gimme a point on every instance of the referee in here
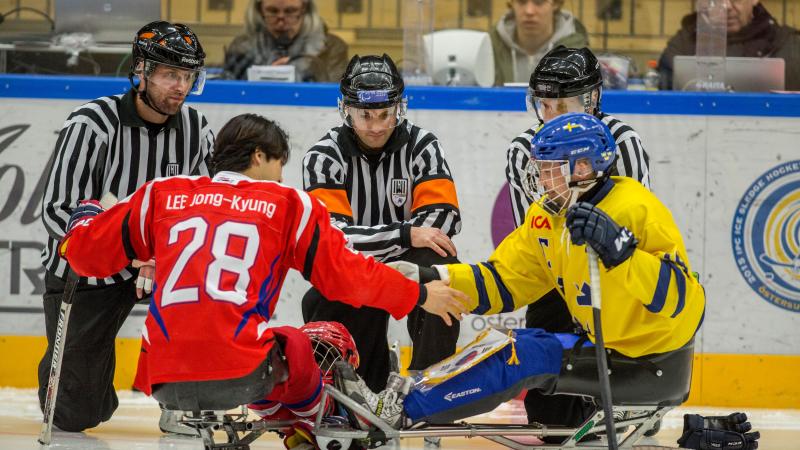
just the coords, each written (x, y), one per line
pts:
(115, 144)
(565, 80)
(388, 187)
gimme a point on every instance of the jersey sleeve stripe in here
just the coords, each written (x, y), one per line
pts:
(143, 211)
(311, 254)
(434, 191)
(334, 199)
(680, 280)
(662, 287)
(126, 238)
(301, 228)
(505, 294)
(484, 304)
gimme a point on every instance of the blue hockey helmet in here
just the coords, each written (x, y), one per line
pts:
(568, 156)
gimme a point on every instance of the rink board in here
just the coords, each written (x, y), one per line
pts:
(709, 164)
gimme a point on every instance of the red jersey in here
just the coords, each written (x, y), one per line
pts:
(223, 248)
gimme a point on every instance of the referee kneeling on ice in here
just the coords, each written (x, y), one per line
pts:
(114, 145)
(389, 188)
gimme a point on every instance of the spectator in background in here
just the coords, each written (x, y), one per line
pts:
(526, 32)
(752, 32)
(280, 32)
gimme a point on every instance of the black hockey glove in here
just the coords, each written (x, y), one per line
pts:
(84, 210)
(590, 225)
(730, 432)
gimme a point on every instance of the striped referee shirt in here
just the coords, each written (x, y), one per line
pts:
(632, 161)
(104, 147)
(376, 199)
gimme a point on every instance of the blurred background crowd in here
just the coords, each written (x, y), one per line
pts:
(637, 40)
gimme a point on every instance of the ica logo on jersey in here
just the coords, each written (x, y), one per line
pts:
(540, 222)
(765, 236)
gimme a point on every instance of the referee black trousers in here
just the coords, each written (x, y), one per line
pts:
(431, 338)
(86, 394)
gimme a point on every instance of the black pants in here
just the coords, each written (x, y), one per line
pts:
(551, 314)
(432, 340)
(86, 394)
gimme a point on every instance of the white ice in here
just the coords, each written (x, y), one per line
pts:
(134, 426)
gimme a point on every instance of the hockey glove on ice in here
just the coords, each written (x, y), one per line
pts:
(85, 210)
(590, 225)
(730, 432)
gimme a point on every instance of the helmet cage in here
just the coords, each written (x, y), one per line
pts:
(330, 342)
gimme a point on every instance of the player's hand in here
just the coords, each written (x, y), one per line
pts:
(282, 61)
(433, 238)
(144, 282)
(85, 210)
(589, 225)
(445, 301)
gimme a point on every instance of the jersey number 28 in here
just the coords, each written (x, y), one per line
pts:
(238, 265)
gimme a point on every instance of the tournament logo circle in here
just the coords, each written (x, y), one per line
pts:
(766, 236)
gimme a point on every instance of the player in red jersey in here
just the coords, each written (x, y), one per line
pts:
(223, 247)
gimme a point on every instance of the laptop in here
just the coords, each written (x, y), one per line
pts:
(109, 21)
(741, 74)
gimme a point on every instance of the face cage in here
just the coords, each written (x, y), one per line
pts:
(532, 182)
(199, 75)
(534, 104)
(326, 355)
(401, 109)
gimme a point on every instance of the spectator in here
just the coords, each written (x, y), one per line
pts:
(526, 32)
(752, 32)
(281, 32)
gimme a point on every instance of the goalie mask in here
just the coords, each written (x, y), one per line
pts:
(569, 155)
(372, 94)
(565, 80)
(331, 342)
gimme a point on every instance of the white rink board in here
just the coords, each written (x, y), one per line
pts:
(701, 167)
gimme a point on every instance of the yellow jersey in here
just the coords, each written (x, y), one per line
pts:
(651, 302)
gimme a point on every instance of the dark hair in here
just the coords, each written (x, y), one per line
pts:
(244, 134)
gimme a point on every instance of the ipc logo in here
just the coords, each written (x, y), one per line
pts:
(766, 236)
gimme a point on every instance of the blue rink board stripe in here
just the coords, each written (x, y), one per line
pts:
(420, 97)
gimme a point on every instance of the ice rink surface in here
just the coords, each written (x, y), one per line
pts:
(135, 427)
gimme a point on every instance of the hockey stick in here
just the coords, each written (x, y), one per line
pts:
(46, 435)
(600, 348)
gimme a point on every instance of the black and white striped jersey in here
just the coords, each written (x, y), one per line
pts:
(104, 146)
(376, 199)
(632, 161)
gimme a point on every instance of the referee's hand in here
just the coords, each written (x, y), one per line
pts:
(433, 238)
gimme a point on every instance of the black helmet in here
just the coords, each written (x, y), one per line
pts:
(566, 72)
(166, 43)
(371, 82)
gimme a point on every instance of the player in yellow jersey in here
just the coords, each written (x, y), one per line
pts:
(652, 303)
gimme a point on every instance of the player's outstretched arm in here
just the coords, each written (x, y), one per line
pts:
(344, 275)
